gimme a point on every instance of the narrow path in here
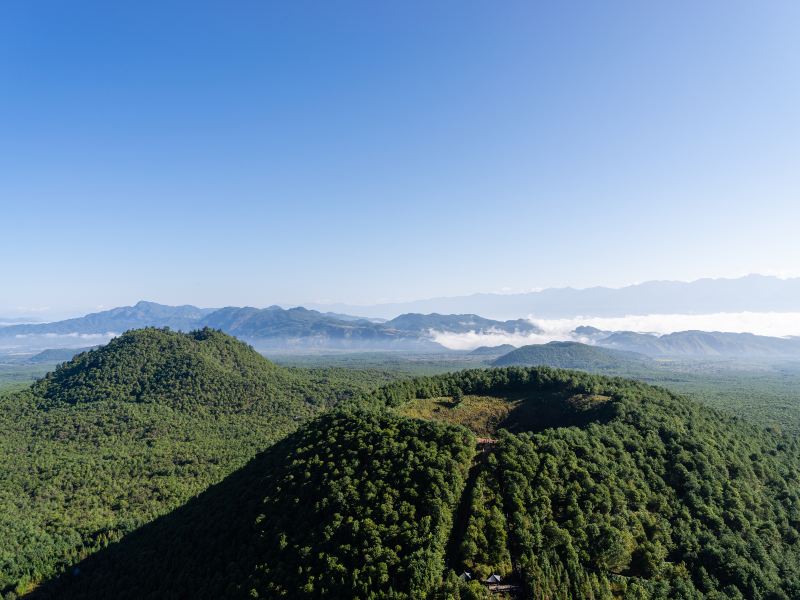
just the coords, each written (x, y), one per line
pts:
(461, 517)
(509, 587)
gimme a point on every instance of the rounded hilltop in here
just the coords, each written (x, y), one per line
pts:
(584, 486)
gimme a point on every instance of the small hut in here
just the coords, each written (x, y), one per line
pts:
(493, 579)
(465, 576)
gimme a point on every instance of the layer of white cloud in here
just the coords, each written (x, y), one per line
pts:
(67, 336)
(474, 339)
(770, 323)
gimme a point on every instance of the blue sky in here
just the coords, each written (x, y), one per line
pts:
(290, 152)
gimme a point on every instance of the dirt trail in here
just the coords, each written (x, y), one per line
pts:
(461, 517)
(484, 447)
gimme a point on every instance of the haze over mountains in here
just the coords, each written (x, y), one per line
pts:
(265, 327)
(302, 329)
(697, 343)
(758, 293)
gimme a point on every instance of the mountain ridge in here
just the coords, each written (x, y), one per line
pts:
(696, 343)
(758, 293)
(274, 325)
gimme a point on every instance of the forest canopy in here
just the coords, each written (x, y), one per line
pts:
(320, 485)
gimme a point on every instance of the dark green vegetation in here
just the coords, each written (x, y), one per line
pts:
(647, 495)
(130, 431)
(572, 355)
(355, 505)
(483, 548)
(764, 392)
(17, 376)
(398, 365)
(767, 394)
(589, 486)
(493, 350)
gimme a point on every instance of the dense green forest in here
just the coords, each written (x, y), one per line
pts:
(765, 392)
(127, 432)
(357, 504)
(645, 495)
(318, 483)
(573, 355)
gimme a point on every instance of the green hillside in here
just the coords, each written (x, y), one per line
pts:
(573, 355)
(644, 495)
(492, 350)
(354, 505)
(130, 431)
(580, 486)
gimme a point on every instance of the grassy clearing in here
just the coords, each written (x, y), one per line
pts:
(486, 415)
(482, 414)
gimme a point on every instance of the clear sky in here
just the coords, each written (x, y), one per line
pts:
(258, 152)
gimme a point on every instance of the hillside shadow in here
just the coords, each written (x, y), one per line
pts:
(461, 514)
(200, 550)
(546, 410)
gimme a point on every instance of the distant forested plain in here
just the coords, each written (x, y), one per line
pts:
(762, 391)
(171, 465)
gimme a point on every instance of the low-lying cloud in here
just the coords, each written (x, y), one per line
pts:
(67, 336)
(760, 323)
(473, 339)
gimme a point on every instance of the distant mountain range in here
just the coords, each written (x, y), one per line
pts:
(143, 314)
(16, 320)
(298, 329)
(695, 343)
(758, 293)
(272, 326)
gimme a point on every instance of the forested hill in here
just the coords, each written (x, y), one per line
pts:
(132, 430)
(354, 505)
(493, 350)
(591, 487)
(573, 355)
(203, 367)
(644, 495)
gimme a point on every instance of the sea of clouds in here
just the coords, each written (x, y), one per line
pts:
(31, 342)
(67, 336)
(777, 324)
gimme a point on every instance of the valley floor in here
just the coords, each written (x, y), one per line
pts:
(764, 392)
